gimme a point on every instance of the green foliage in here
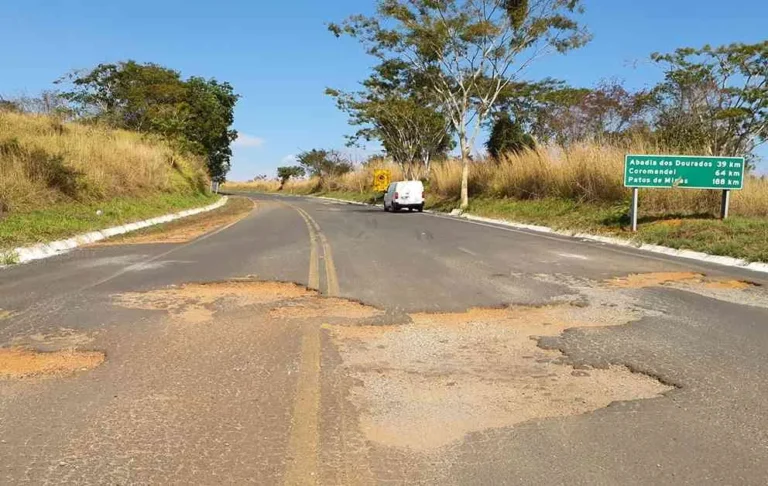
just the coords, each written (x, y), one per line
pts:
(714, 99)
(508, 136)
(285, 173)
(65, 220)
(9, 257)
(399, 111)
(466, 52)
(197, 114)
(324, 163)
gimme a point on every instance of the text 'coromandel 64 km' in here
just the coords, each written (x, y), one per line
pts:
(693, 172)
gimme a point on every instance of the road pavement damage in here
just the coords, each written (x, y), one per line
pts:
(427, 383)
(644, 280)
(196, 303)
(20, 363)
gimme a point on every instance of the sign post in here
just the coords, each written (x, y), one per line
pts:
(633, 214)
(724, 205)
(683, 171)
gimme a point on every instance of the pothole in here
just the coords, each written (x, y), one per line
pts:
(196, 303)
(328, 307)
(742, 292)
(20, 363)
(425, 385)
(643, 280)
(429, 382)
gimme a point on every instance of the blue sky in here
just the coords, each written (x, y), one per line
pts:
(280, 56)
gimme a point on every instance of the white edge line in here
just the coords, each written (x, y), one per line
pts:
(47, 250)
(664, 250)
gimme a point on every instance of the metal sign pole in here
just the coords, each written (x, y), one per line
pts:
(725, 203)
(633, 214)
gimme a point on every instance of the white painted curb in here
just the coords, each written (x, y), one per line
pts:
(46, 250)
(664, 250)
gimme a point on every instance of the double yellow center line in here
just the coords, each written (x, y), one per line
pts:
(304, 442)
(315, 236)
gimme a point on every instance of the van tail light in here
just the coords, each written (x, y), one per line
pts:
(397, 196)
(422, 195)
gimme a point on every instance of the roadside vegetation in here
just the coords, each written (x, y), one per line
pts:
(119, 143)
(446, 74)
(579, 188)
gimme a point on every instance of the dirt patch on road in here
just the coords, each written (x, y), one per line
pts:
(19, 363)
(54, 341)
(425, 385)
(4, 314)
(196, 303)
(325, 308)
(644, 280)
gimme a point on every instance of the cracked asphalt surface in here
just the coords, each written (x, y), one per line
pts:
(434, 351)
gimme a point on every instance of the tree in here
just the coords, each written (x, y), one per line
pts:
(130, 95)
(567, 115)
(210, 115)
(507, 136)
(394, 109)
(467, 51)
(285, 173)
(196, 114)
(324, 163)
(714, 99)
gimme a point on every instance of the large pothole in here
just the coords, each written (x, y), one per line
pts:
(433, 378)
(20, 362)
(425, 385)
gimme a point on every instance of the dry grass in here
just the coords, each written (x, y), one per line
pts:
(585, 173)
(44, 161)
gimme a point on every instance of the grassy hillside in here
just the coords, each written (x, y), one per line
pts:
(579, 188)
(54, 176)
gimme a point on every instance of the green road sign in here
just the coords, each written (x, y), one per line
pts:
(692, 172)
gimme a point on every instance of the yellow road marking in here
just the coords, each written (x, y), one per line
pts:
(314, 272)
(331, 278)
(305, 437)
(315, 234)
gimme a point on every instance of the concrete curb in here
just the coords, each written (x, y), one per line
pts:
(664, 250)
(47, 250)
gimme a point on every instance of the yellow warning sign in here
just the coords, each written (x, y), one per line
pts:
(381, 178)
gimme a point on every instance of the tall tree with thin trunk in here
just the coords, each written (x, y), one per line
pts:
(467, 51)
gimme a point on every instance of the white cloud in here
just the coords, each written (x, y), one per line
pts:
(289, 159)
(244, 140)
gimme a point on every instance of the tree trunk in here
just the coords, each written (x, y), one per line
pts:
(464, 175)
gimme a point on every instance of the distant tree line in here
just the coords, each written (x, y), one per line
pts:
(193, 114)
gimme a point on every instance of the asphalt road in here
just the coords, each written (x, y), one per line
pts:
(439, 351)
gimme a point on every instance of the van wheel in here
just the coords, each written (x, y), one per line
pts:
(421, 208)
(395, 207)
(386, 209)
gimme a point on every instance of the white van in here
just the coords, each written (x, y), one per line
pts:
(404, 194)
